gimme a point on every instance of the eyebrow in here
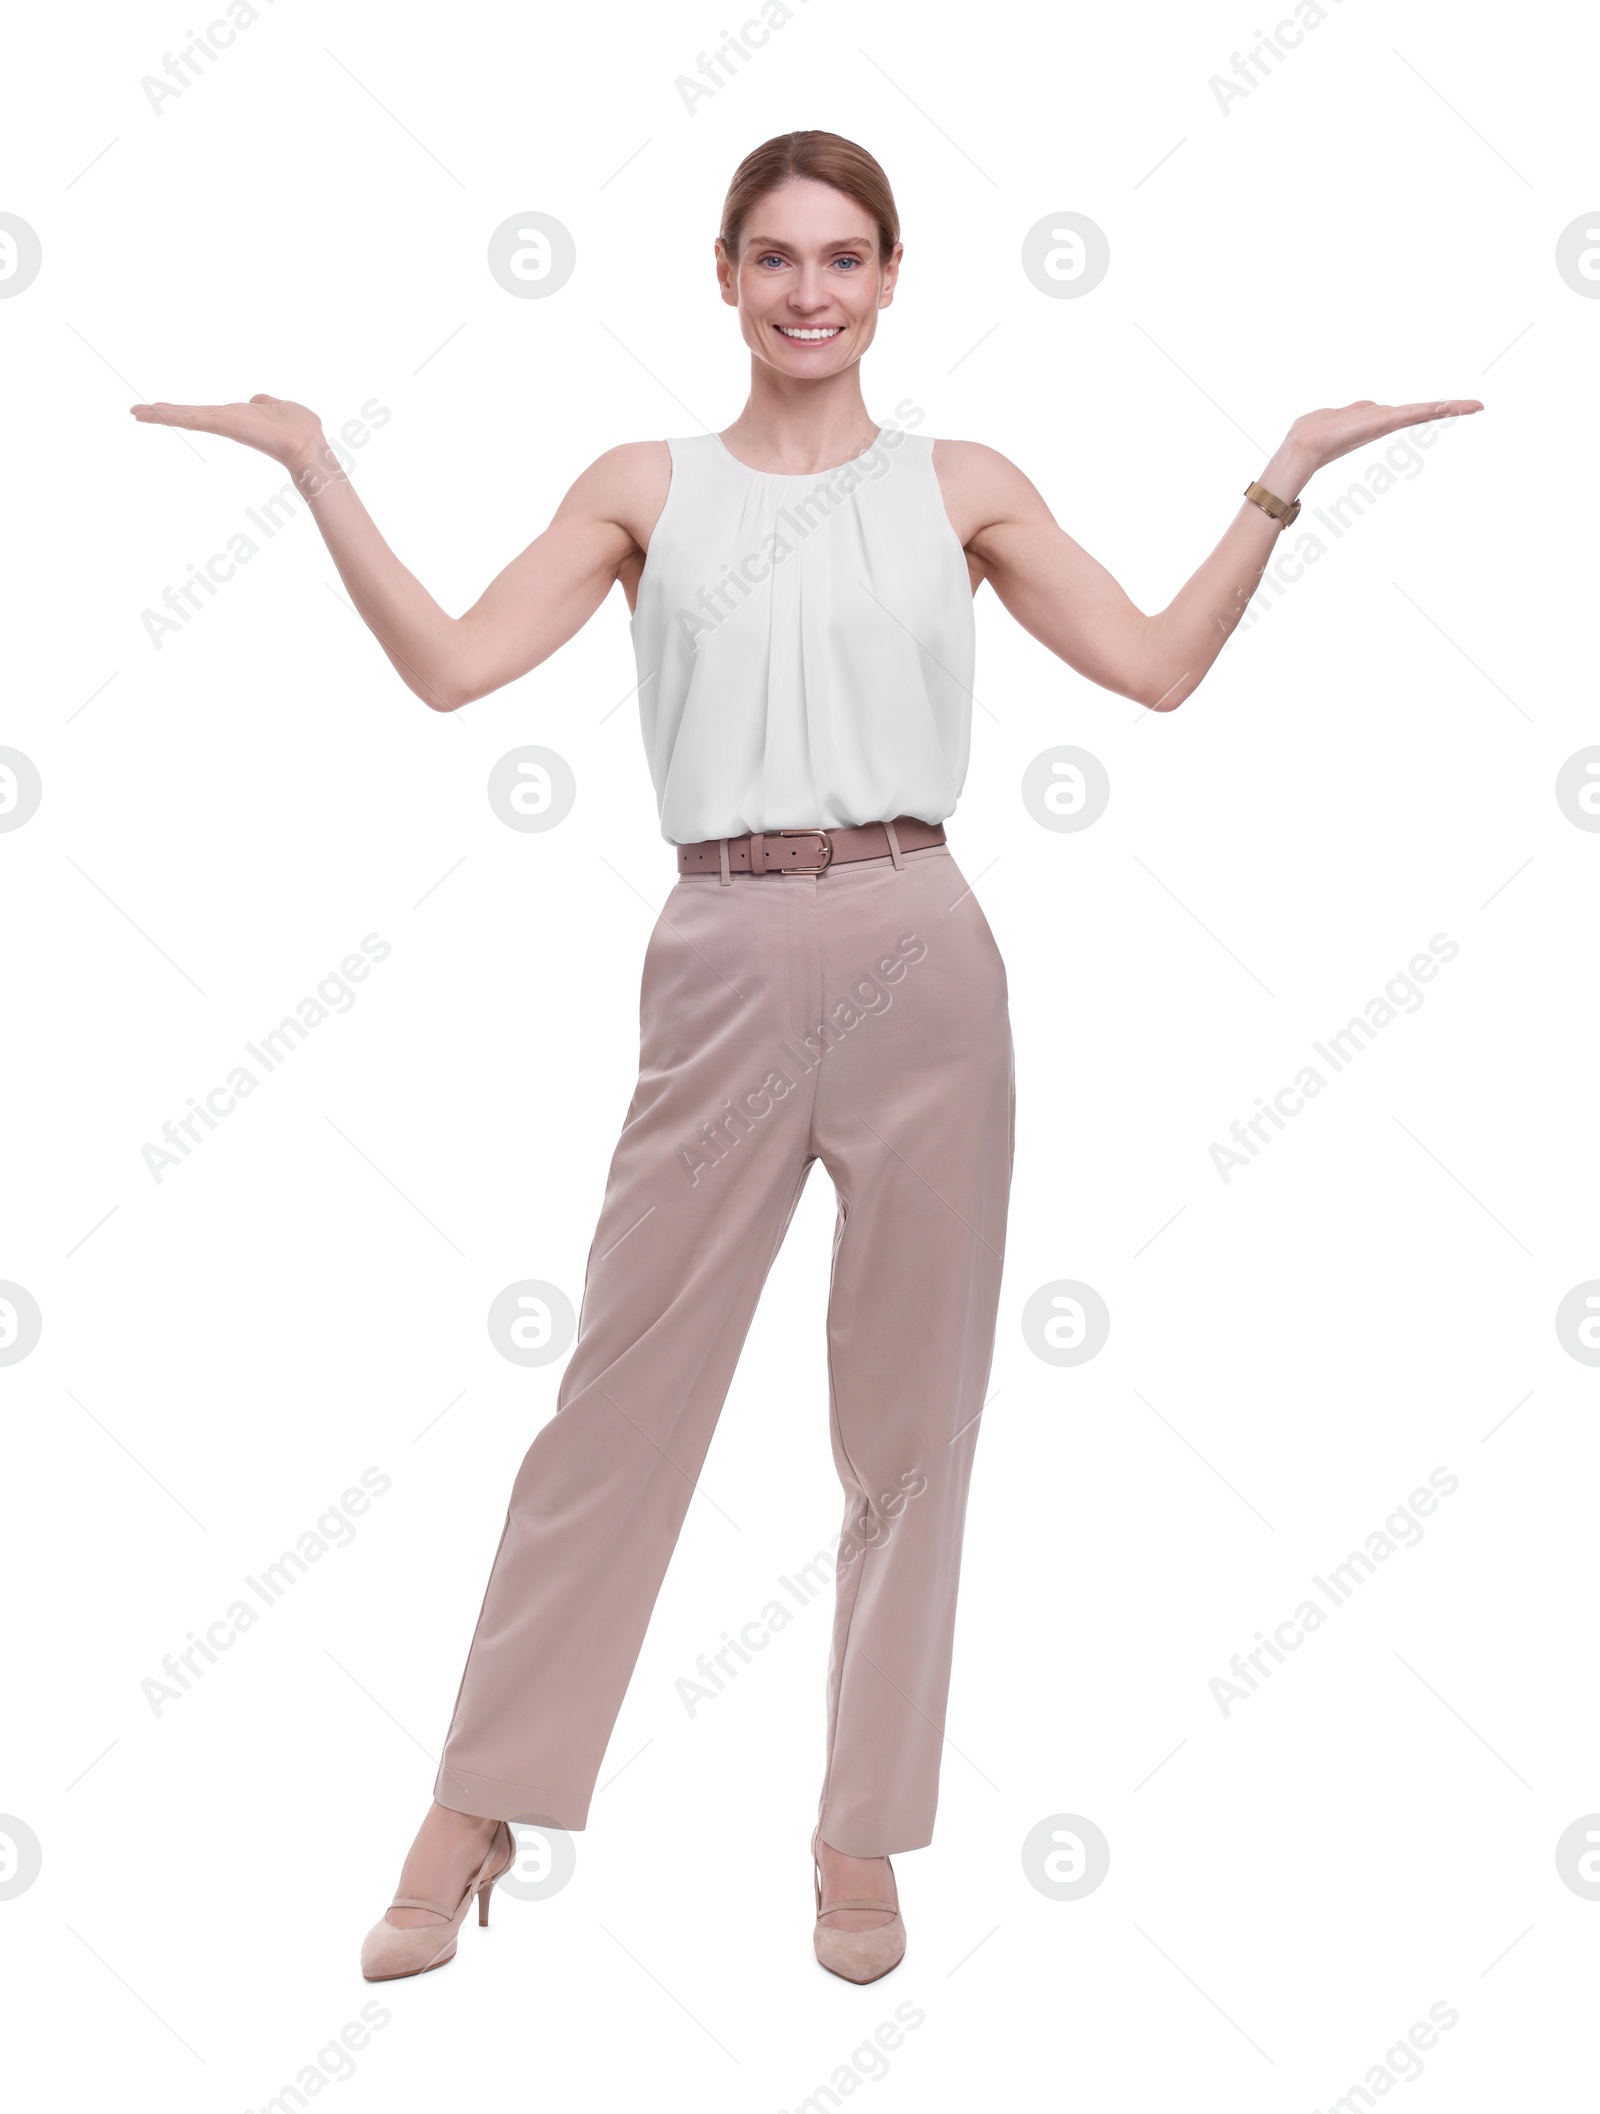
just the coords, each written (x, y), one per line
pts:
(844, 242)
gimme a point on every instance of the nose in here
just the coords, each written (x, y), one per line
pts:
(810, 291)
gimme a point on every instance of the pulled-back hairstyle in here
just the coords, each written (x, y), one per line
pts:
(820, 157)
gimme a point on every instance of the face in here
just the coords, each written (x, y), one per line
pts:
(808, 282)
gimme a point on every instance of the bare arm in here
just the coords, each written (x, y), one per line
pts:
(596, 536)
(1070, 603)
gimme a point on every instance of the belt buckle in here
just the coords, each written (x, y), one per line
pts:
(826, 845)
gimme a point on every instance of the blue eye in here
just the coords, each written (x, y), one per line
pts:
(777, 257)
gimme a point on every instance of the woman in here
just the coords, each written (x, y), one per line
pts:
(821, 984)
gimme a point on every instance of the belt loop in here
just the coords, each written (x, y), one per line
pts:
(722, 847)
(894, 846)
(758, 851)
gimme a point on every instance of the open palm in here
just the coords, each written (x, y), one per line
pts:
(1323, 436)
(284, 430)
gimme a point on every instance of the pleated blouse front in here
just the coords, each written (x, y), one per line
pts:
(804, 644)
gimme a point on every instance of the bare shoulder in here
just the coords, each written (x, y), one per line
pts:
(627, 485)
(981, 486)
(633, 465)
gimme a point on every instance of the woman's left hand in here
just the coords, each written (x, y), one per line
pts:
(1320, 437)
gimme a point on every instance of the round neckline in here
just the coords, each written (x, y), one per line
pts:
(794, 476)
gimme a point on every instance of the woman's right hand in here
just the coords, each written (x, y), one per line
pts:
(288, 432)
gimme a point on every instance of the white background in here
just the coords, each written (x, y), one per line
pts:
(1291, 1352)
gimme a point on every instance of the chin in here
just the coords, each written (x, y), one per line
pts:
(821, 359)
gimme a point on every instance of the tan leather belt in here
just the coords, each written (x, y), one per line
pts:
(807, 851)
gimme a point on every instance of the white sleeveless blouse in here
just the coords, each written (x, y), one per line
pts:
(804, 644)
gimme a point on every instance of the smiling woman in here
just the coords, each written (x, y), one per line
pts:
(790, 290)
(805, 758)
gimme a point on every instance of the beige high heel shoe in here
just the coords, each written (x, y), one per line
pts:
(387, 1952)
(857, 1955)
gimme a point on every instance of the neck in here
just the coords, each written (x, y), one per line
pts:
(791, 426)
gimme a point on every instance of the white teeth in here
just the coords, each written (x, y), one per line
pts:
(810, 337)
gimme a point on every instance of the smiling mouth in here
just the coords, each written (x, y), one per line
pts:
(809, 335)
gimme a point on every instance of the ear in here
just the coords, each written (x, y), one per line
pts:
(725, 273)
(891, 275)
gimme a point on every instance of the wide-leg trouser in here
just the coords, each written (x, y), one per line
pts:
(857, 1017)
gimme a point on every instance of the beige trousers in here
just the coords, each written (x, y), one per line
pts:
(859, 1018)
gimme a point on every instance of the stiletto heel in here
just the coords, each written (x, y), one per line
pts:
(389, 1953)
(856, 1955)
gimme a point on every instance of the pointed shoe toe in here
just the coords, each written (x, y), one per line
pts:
(862, 1955)
(387, 1953)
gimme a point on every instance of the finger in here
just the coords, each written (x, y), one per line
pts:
(1450, 407)
(1394, 418)
(198, 418)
